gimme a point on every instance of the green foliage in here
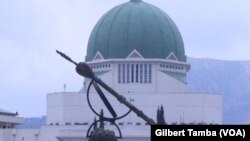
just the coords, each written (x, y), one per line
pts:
(100, 134)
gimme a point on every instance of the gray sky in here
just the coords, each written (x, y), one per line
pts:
(31, 31)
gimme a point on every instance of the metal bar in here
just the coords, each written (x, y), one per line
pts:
(104, 99)
(66, 57)
(123, 100)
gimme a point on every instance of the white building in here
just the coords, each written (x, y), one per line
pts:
(137, 50)
(8, 121)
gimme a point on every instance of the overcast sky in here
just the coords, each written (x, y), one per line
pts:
(31, 31)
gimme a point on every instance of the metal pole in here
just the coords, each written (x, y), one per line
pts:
(83, 69)
(123, 100)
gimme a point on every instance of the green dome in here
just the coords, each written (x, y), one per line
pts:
(135, 25)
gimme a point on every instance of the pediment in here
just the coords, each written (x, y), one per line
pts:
(172, 56)
(98, 56)
(135, 54)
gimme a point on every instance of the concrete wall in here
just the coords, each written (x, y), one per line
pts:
(65, 108)
(65, 133)
(19, 134)
(161, 82)
(166, 83)
(11, 119)
(179, 107)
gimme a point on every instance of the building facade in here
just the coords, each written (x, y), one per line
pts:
(136, 49)
(8, 121)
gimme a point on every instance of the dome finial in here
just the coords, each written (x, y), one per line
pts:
(135, 0)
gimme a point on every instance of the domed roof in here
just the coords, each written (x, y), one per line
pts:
(139, 26)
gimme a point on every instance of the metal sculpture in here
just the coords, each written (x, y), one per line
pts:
(84, 70)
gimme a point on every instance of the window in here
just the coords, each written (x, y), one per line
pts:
(123, 73)
(141, 73)
(132, 73)
(128, 72)
(136, 73)
(145, 73)
(149, 73)
(119, 73)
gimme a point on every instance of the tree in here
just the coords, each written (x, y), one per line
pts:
(160, 116)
